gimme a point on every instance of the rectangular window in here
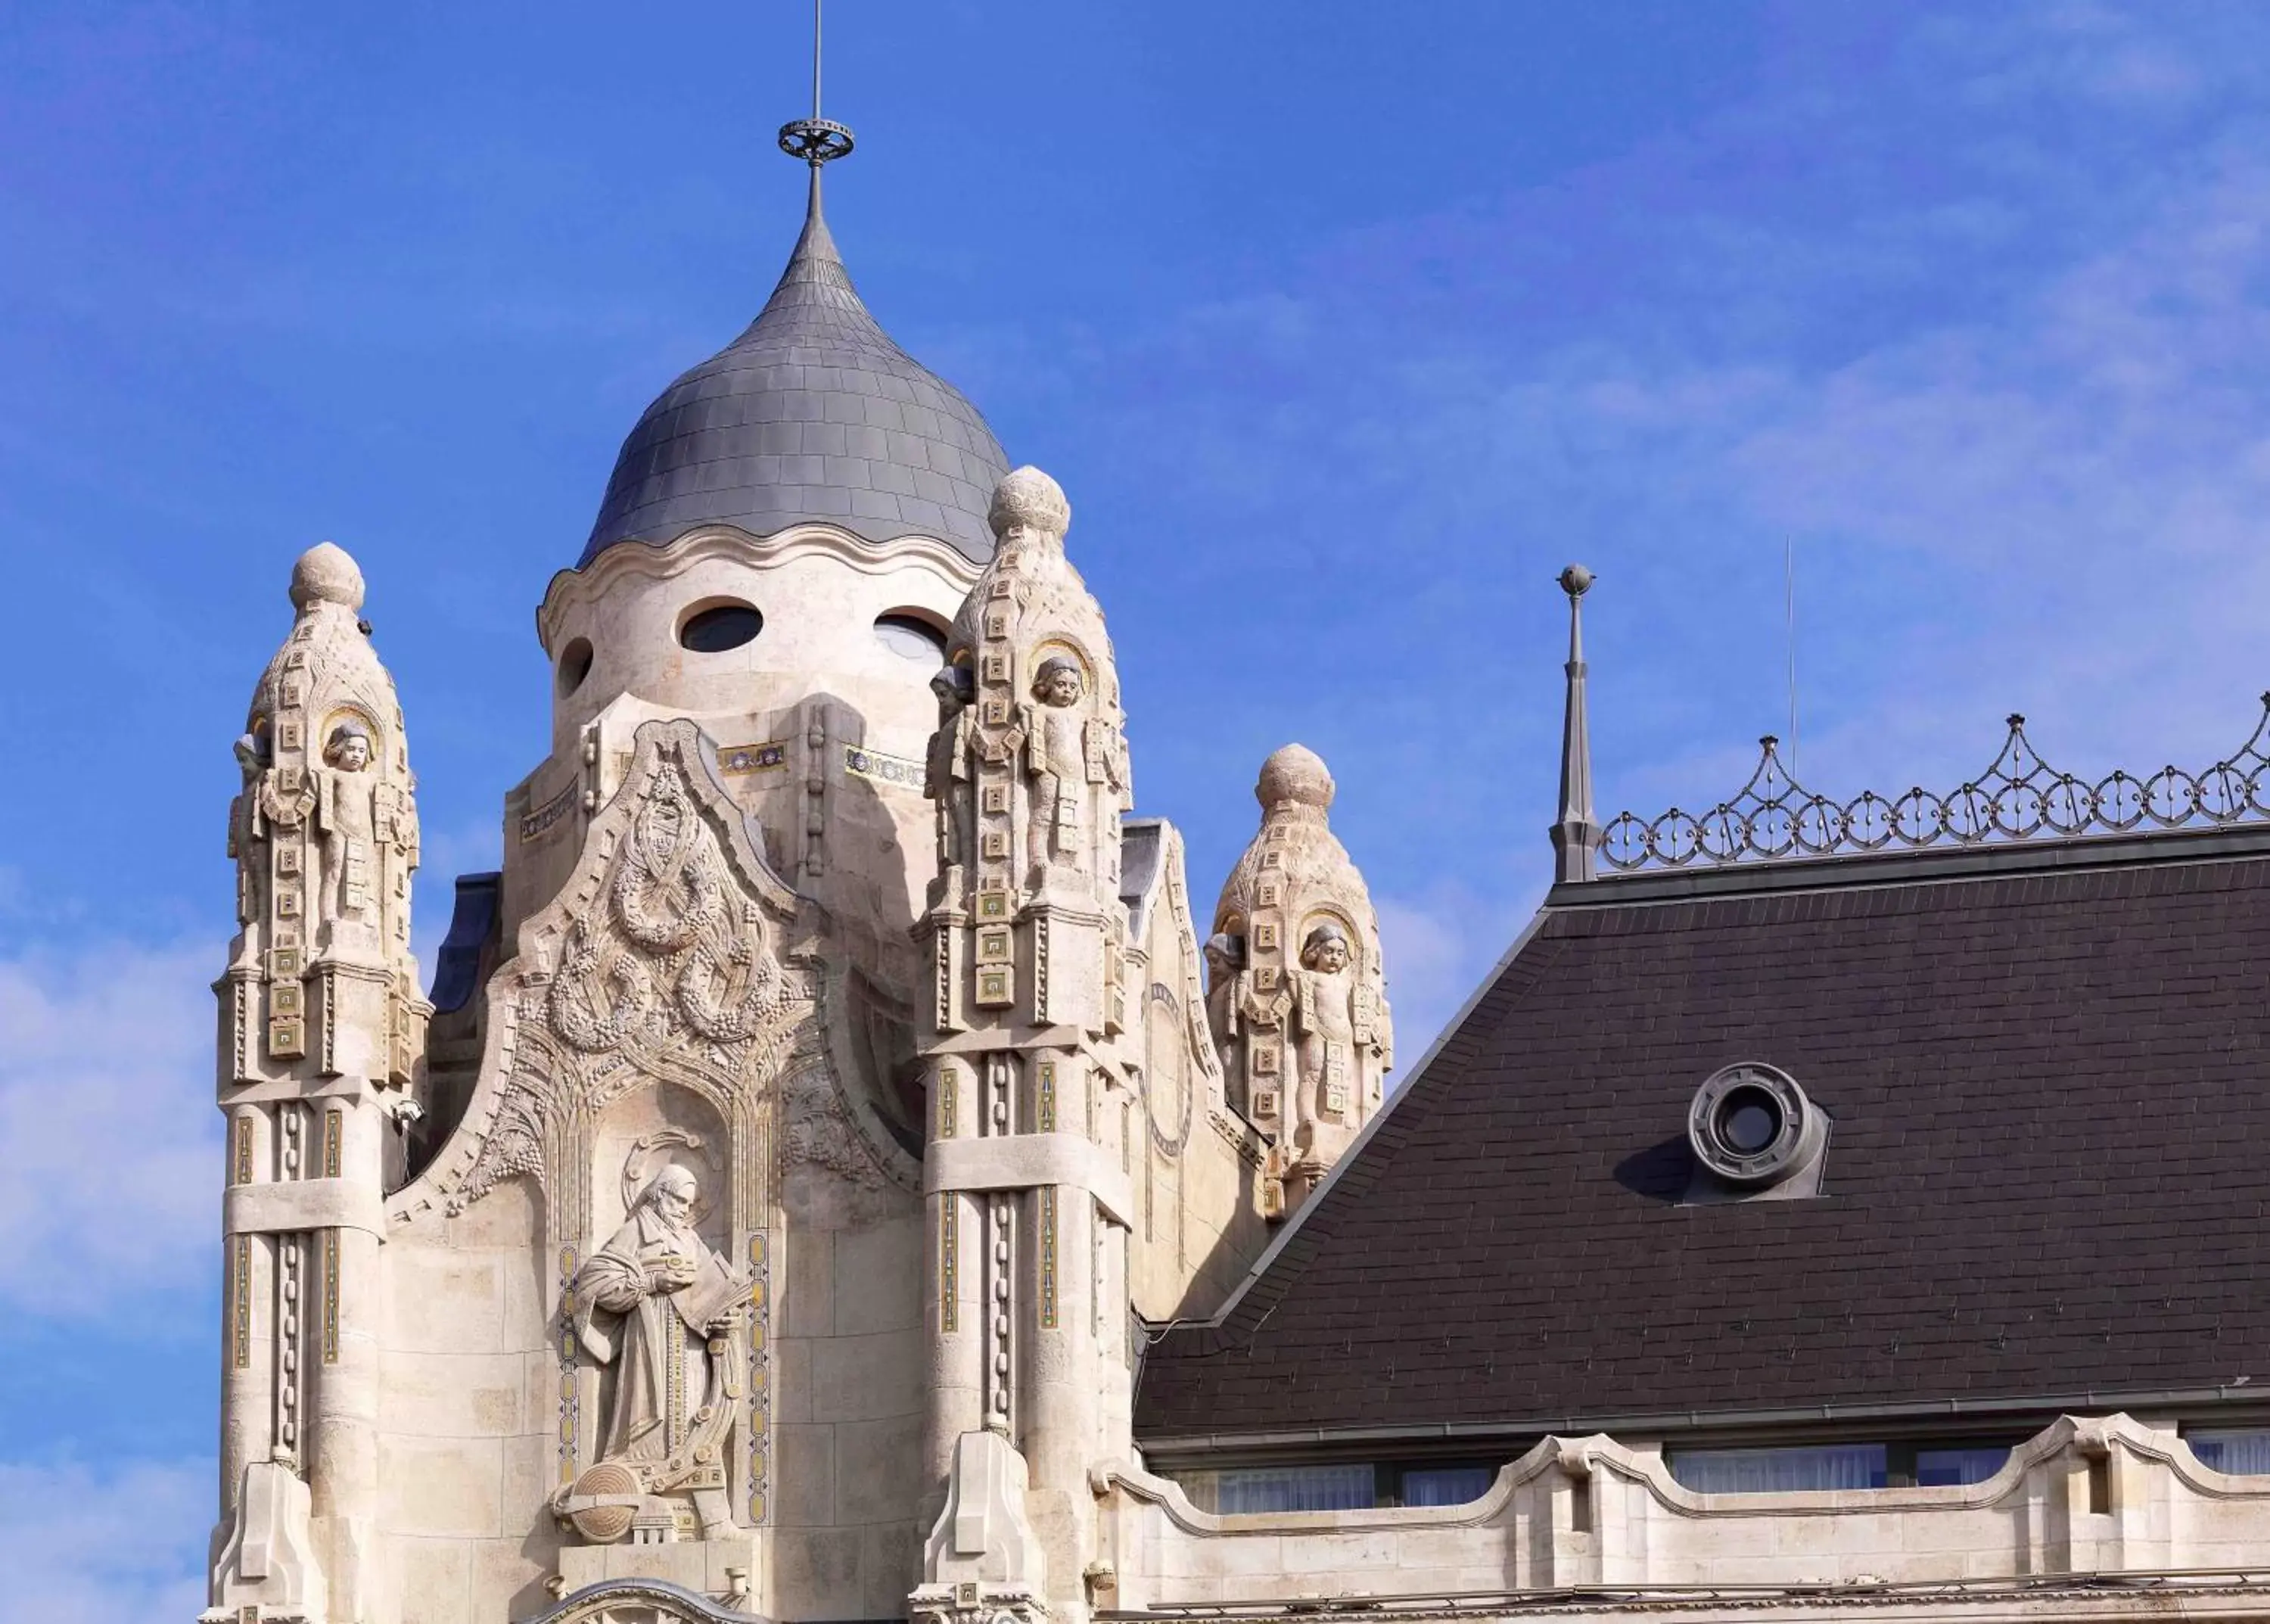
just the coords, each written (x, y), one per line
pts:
(1941, 1468)
(1445, 1485)
(1781, 1470)
(1255, 1490)
(2241, 1453)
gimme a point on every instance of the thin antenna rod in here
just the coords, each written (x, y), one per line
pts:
(1788, 612)
(815, 58)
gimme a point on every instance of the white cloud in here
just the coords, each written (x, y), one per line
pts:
(125, 1546)
(106, 1095)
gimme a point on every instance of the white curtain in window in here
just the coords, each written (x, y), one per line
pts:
(1940, 1468)
(1293, 1488)
(2243, 1453)
(1446, 1486)
(1780, 1472)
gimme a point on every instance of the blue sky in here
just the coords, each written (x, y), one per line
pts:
(1345, 326)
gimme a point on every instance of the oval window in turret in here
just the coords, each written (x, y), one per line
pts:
(720, 626)
(912, 638)
(575, 665)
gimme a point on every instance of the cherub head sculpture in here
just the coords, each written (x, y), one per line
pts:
(1326, 948)
(952, 687)
(348, 747)
(1059, 682)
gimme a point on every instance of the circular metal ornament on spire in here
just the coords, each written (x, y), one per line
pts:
(815, 140)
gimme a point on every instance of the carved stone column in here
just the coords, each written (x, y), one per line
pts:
(322, 1030)
(1027, 938)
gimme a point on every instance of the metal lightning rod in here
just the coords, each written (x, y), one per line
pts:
(1789, 613)
(815, 140)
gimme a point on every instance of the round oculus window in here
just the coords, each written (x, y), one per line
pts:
(1750, 1124)
(1749, 1120)
(575, 665)
(719, 627)
(912, 638)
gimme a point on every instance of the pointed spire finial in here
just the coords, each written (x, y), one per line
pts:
(815, 140)
(1576, 833)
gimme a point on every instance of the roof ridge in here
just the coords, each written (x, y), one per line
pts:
(1275, 1272)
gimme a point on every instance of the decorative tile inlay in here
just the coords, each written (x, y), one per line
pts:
(330, 1296)
(759, 1373)
(897, 771)
(1047, 1257)
(570, 1395)
(733, 759)
(949, 1261)
(535, 825)
(240, 1292)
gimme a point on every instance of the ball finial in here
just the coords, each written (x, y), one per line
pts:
(1027, 499)
(326, 574)
(1295, 776)
(1576, 580)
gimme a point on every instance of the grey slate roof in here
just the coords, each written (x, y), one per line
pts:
(812, 413)
(2049, 1171)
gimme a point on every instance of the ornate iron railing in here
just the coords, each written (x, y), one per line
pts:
(2018, 798)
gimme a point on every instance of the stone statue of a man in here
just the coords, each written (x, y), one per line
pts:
(649, 1302)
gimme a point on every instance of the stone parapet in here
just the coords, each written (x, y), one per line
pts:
(2082, 1501)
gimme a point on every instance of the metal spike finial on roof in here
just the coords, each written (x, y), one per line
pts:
(815, 140)
(2018, 798)
(1576, 834)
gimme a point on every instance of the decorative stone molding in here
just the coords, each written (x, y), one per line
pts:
(1606, 1527)
(672, 958)
(640, 1601)
(267, 1572)
(615, 570)
(1027, 1161)
(983, 1562)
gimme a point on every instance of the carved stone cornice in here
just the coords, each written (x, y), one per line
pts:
(618, 567)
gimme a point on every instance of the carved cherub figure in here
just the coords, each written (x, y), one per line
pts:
(1324, 1024)
(1056, 747)
(244, 829)
(945, 768)
(346, 809)
(1225, 957)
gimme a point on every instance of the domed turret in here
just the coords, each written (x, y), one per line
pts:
(1298, 995)
(813, 413)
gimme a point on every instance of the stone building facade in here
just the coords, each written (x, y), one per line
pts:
(836, 1175)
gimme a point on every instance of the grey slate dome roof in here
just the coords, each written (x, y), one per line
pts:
(810, 414)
